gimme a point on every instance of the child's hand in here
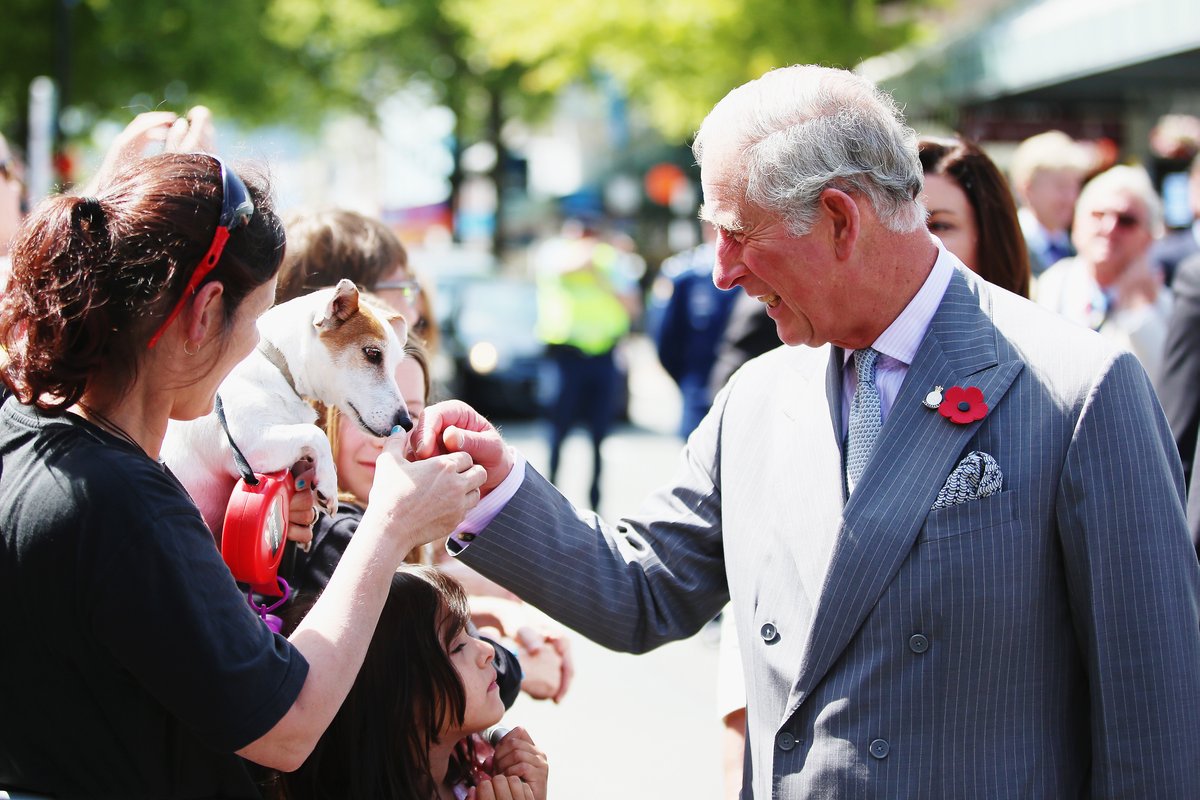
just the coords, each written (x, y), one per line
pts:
(518, 757)
(541, 664)
(503, 788)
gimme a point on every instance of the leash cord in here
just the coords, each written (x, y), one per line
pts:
(239, 459)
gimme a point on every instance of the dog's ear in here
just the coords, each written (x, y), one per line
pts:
(341, 307)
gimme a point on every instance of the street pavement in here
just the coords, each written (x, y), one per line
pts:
(631, 726)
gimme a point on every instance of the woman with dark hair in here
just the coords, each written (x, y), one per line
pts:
(425, 688)
(972, 211)
(133, 665)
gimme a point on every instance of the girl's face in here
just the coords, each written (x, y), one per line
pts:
(358, 450)
(472, 659)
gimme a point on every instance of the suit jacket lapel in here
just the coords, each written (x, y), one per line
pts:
(917, 449)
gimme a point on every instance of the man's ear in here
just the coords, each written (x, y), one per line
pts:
(843, 214)
(206, 313)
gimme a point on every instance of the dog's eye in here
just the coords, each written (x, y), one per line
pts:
(373, 355)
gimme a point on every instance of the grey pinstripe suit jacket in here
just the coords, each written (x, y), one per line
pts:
(1041, 642)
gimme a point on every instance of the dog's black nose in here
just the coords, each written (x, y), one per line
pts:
(402, 420)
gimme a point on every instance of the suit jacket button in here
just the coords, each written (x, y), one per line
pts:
(768, 632)
(785, 740)
(918, 643)
(880, 748)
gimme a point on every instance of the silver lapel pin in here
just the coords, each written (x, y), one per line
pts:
(933, 399)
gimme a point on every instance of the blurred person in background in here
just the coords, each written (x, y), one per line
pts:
(12, 195)
(690, 323)
(1111, 286)
(588, 298)
(1179, 385)
(971, 210)
(1176, 246)
(327, 245)
(1047, 171)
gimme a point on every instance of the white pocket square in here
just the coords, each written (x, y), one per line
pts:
(976, 476)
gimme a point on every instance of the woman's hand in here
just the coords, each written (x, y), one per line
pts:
(517, 757)
(453, 426)
(424, 500)
(302, 512)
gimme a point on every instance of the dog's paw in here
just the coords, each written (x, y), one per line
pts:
(329, 504)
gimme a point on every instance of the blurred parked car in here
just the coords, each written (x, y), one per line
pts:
(488, 334)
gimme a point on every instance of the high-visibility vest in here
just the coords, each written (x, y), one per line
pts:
(580, 308)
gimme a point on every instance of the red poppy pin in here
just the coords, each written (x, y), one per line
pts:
(963, 406)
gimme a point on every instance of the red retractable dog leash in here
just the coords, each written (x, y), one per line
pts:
(254, 534)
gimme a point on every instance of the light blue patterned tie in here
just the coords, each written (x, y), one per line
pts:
(865, 419)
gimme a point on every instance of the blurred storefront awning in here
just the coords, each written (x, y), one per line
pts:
(1081, 59)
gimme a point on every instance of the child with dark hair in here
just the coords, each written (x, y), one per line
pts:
(409, 728)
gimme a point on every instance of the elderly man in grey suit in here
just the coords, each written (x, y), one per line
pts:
(951, 525)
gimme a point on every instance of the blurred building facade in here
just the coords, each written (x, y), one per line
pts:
(1100, 70)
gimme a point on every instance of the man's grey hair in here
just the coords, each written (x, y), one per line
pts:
(799, 130)
(1132, 180)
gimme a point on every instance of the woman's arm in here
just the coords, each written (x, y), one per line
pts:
(411, 504)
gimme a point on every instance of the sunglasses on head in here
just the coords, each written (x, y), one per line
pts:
(236, 210)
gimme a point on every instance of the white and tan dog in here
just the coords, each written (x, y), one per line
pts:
(327, 347)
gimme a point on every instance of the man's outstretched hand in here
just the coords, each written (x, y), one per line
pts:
(453, 426)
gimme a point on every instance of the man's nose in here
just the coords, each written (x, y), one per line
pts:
(728, 267)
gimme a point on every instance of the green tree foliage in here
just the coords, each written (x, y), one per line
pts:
(137, 56)
(256, 61)
(675, 57)
(291, 61)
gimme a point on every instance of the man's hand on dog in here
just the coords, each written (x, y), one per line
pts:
(454, 427)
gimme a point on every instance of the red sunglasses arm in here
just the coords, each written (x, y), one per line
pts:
(220, 237)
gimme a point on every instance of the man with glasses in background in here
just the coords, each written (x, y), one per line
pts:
(1111, 285)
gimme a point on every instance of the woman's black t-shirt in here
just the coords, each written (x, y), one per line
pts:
(130, 662)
